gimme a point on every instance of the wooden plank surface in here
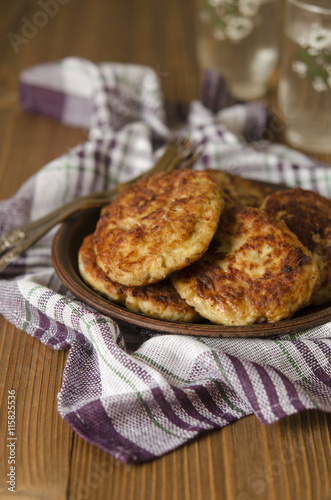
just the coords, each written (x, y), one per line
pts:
(244, 461)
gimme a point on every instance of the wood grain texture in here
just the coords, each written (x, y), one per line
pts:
(244, 461)
(43, 439)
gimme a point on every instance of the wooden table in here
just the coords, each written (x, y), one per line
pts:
(244, 461)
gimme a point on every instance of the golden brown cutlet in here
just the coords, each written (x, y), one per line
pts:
(160, 224)
(308, 215)
(255, 270)
(239, 191)
(159, 301)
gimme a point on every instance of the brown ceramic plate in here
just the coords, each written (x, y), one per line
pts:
(65, 255)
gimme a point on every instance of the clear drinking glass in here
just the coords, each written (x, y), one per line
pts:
(304, 91)
(240, 38)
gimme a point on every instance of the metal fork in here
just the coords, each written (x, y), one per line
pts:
(179, 153)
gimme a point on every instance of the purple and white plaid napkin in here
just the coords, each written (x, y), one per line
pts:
(134, 393)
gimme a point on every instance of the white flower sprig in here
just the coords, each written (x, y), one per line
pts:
(231, 20)
(314, 57)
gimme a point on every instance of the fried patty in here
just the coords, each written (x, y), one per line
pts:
(308, 215)
(255, 270)
(159, 301)
(158, 225)
(239, 191)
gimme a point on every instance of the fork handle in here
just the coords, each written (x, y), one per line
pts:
(45, 224)
(18, 235)
(17, 241)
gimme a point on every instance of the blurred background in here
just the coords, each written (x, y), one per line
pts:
(156, 33)
(34, 31)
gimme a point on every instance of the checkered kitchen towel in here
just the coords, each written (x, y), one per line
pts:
(133, 393)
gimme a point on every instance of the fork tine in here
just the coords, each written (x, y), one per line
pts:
(186, 156)
(178, 150)
(192, 157)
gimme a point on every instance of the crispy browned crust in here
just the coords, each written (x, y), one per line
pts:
(239, 191)
(308, 216)
(255, 270)
(94, 276)
(159, 301)
(158, 225)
